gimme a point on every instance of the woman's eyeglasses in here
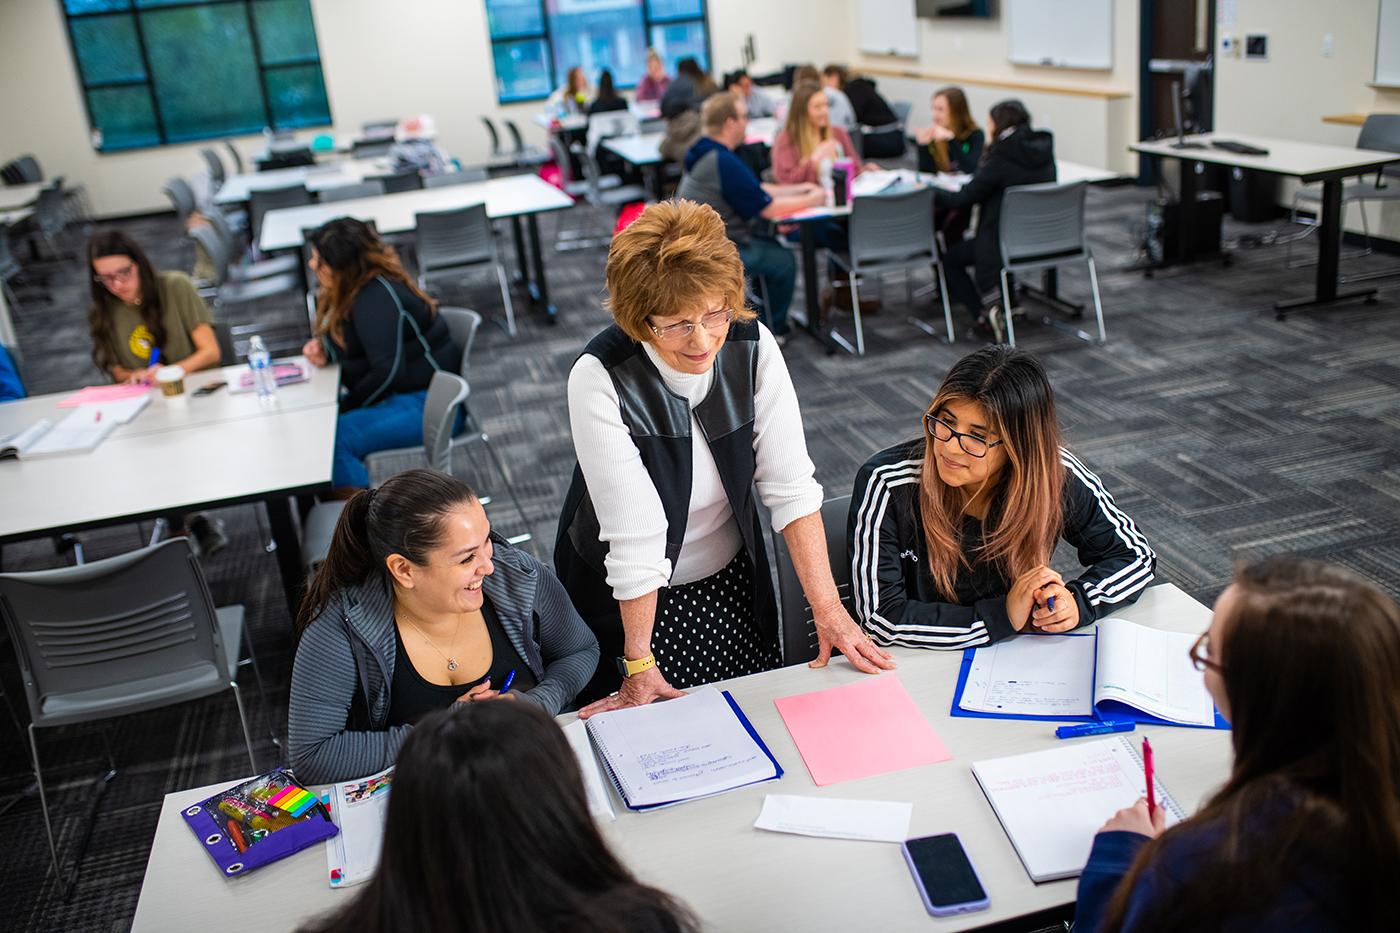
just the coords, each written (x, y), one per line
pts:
(675, 333)
(971, 444)
(114, 278)
(1200, 655)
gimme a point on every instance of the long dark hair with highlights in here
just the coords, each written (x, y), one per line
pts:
(960, 124)
(116, 243)
(402, 516)
(1026, 510)
(488, 829)
(1310, 659)
(356, 256)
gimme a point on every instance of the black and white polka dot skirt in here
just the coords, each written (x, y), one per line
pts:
(705, 631)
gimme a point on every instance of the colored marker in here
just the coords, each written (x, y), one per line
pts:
(1095, 728)
(1147, 769)
(510, 679)
(236, 835)
(155, 358)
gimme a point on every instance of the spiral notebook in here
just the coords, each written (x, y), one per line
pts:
(1052, 802)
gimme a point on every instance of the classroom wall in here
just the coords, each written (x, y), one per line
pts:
(1288, 95)
(1091, 130)
(380, 58)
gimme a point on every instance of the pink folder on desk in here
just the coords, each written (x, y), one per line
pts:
(862, 729)
(96, 394)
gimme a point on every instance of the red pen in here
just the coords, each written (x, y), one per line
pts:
(1147, 768)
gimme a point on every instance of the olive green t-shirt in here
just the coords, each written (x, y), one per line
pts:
(182, 310)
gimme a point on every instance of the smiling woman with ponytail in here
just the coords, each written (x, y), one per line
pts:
(418, 606)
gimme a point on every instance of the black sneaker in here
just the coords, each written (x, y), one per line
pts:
(208, 534)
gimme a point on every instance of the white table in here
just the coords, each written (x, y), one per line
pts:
(16, 196)
(217, 450)
(15, 216)
(642, 110)
(514, 197)
(237, 189)
(1308, 162)
(707, 852)
(645, 149)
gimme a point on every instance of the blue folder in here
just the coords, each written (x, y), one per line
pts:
(1107, 710)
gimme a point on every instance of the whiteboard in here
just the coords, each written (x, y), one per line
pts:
(1063, 33)
(888, 27)
(1388, 44)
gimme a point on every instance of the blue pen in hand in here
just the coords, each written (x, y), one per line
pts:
(151, 361)
(510, 679)
(1050, 604)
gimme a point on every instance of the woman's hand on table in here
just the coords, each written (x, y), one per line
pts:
(315, 352)
(483, 691)
(1135, 819)
(1063, 617)
(836, 629)
(638, 690)
(145, 376)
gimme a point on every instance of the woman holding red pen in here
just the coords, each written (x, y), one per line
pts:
(1303, 658)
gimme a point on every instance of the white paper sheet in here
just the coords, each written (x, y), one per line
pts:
(1033, 675)
(871, 820)
(599, 803)
(358, 808)
(1151, 670)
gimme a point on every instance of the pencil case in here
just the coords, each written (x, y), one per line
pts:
(258, 822)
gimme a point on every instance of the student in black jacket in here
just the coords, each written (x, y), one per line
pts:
(1015, 155)
(952, 143)
(951, 535)
(387, 337)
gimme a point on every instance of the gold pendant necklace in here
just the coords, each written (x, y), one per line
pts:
(451, 661)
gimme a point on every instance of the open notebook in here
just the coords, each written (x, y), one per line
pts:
(359, 808)
(694, 746)
(78, 432)
(1052, 802)
(1120, 671)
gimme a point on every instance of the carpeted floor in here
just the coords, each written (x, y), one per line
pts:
(1222, 431)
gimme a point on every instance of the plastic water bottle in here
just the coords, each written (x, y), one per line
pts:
(260, 363)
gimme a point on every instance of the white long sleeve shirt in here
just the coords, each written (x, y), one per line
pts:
(630, 515)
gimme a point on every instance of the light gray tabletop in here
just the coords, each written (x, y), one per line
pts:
(643, 110)
(1305, 161)
(237, 188)
(511, 196)
(16, 196)
(645, 149)
(173, 455)
(707, 852)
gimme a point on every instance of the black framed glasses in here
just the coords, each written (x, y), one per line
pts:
(1200, 655)
(116, 278)
(674, 333)
(971, 444)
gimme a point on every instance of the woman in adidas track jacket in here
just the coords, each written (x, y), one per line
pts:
(951, 535)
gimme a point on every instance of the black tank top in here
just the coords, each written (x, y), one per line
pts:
(411, 697)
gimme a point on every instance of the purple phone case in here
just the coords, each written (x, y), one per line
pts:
(933, 909)
(210, 828)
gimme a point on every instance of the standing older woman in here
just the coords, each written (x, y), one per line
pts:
(678, 409)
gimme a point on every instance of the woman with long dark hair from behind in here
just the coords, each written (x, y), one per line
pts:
(488, 829)
(951, 533)
(385, 333)
(1303, 658)
(418, 607)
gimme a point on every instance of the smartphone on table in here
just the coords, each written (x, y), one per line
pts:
(209, 388)
(944, 875)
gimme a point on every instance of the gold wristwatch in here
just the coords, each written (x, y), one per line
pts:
(627, 668)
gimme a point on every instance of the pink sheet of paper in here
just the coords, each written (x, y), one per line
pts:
(94, 394)
(862, 729)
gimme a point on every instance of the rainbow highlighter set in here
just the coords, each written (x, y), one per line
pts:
(258, 822)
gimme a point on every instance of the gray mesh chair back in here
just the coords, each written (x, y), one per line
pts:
(799, 633)
(234, 156)
(462, 323)
(1381, 132)
(561, 159)
(446, 393)
(401, 181)
(370, 148)
(379, 129)
(464, 176)
(29, 170)
(51, 212)
(363, 189)
(10, 266)
(215, 166)
(892, 228)
(181, 196)
(517, 142)
(901, 110)
(459, 237)
(218, 250)
(494, 135)
(1042, 227)
(262, 200)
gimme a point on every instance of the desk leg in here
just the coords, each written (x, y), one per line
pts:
(1186, 212)
(1049, 293)
(284, 535)
(522, 260)
(811, 285)
(539, 290)
(1329, 250)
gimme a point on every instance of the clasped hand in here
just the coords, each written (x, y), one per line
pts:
(1029, 602)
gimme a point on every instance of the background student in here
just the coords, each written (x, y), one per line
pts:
(951, 534)
(387, 336)
(608, 98)
(688, 90)
(655, 82)
(1015, 155)
(740, 84)
(809, 138)
(951, 143)
(842, 113)
(574, 96)
(1303, 658)
(488, 829)
(419, 607)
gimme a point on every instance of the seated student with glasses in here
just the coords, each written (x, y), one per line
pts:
(1303, 658)
(679, 410)
(951, 534)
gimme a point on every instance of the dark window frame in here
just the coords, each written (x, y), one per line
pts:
(133, 11)
(545, 34)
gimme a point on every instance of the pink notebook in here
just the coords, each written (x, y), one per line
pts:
(862, 729)
(95, 394)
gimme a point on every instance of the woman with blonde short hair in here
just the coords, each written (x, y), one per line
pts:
(678, 410)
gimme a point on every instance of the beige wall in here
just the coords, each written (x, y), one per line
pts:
(380, 58)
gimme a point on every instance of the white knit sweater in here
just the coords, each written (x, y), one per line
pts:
(630, 515)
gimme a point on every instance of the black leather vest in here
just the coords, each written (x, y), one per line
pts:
(660, 424)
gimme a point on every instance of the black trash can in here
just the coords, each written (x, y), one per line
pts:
(1253, 195)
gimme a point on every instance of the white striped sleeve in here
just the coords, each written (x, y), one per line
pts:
(1120, 561)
